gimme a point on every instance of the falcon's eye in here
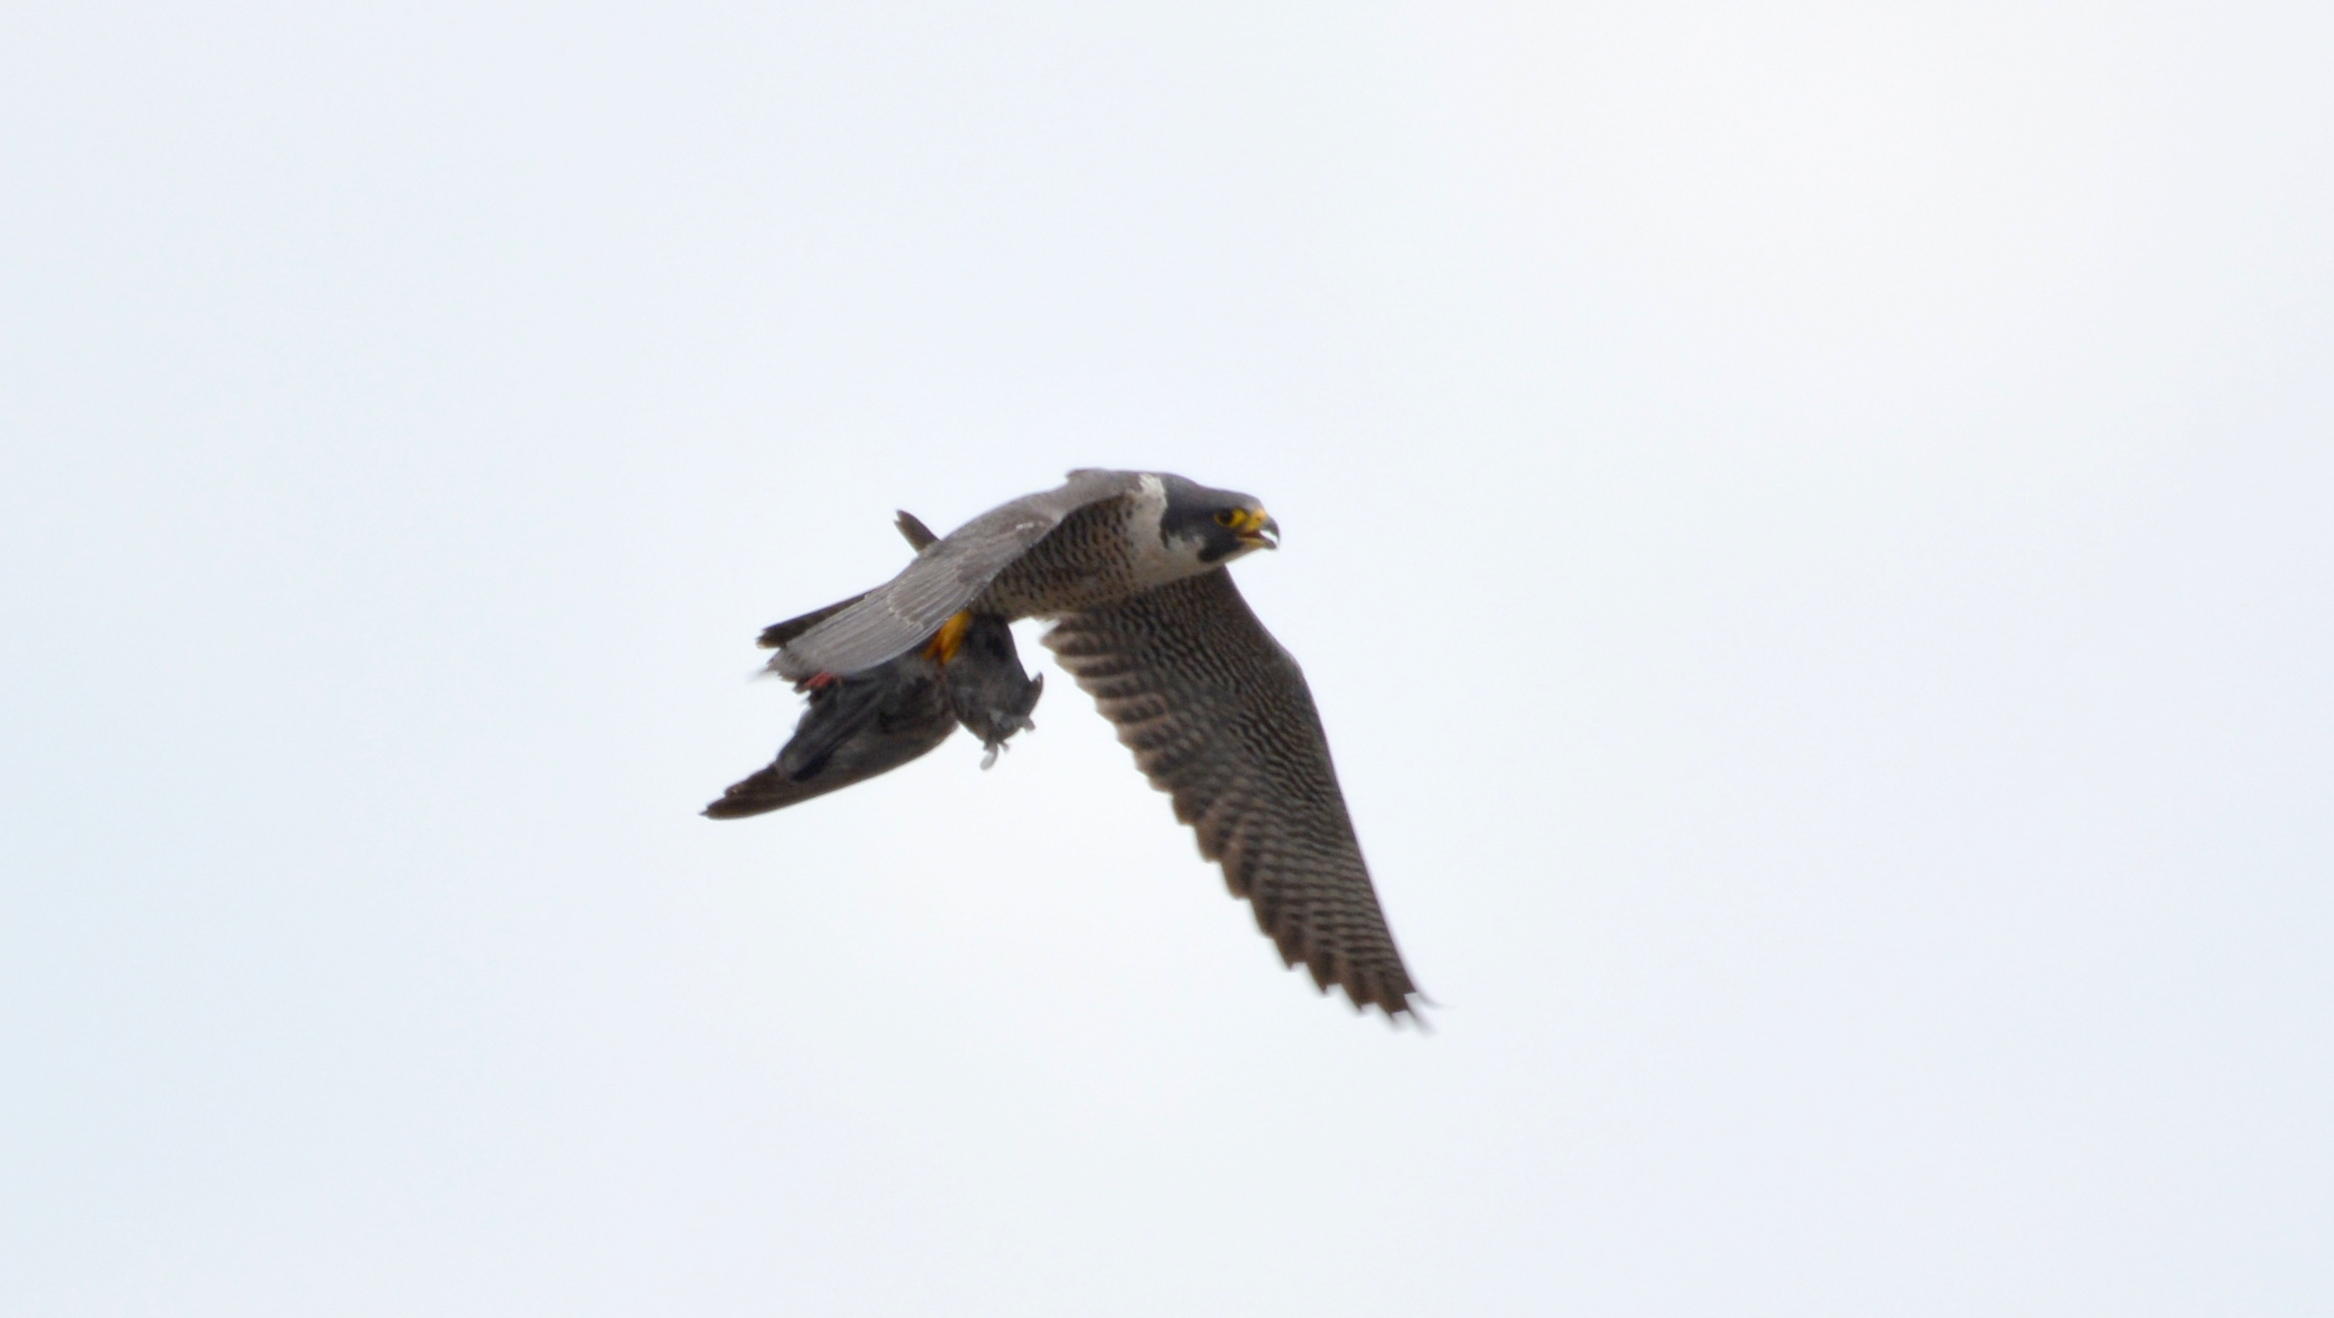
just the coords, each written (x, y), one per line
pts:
(1228, 517)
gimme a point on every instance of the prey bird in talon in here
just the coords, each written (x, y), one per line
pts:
(866, 723)
(1129, 568)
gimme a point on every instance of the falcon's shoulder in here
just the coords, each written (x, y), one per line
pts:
(945, 576)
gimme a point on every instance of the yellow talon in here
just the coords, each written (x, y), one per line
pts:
(948, 639)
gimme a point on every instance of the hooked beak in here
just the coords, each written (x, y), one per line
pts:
(1258, 531)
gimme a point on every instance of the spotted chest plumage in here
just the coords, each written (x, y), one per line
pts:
(1086, 561)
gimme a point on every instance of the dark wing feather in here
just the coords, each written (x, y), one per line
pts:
(944, 577)
(855, 728)
(1218, 714)
(920, 537)
(779, 633)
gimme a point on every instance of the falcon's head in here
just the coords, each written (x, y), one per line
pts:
(1215, 526)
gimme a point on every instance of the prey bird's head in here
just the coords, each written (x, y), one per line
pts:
(1216, 526)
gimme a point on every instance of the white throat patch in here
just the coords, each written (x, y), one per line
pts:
(1155, 561)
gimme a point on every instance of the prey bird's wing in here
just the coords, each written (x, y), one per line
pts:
(920, 537)
(944, 577)
(1218, 714)
(855, 728)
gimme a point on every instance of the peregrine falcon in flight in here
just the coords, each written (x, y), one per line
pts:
(1129, 567)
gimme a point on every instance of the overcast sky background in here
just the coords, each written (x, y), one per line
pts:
(1808, 528)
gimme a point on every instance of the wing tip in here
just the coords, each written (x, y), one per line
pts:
(1400, 1005)
(1388, 988)
(919, 536)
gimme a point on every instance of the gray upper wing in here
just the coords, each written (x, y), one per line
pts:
(1218, 714)
(944, 578)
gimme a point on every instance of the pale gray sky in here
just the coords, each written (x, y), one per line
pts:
(1808, 528)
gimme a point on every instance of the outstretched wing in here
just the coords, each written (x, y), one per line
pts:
(945, 577)
(1218, 714)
